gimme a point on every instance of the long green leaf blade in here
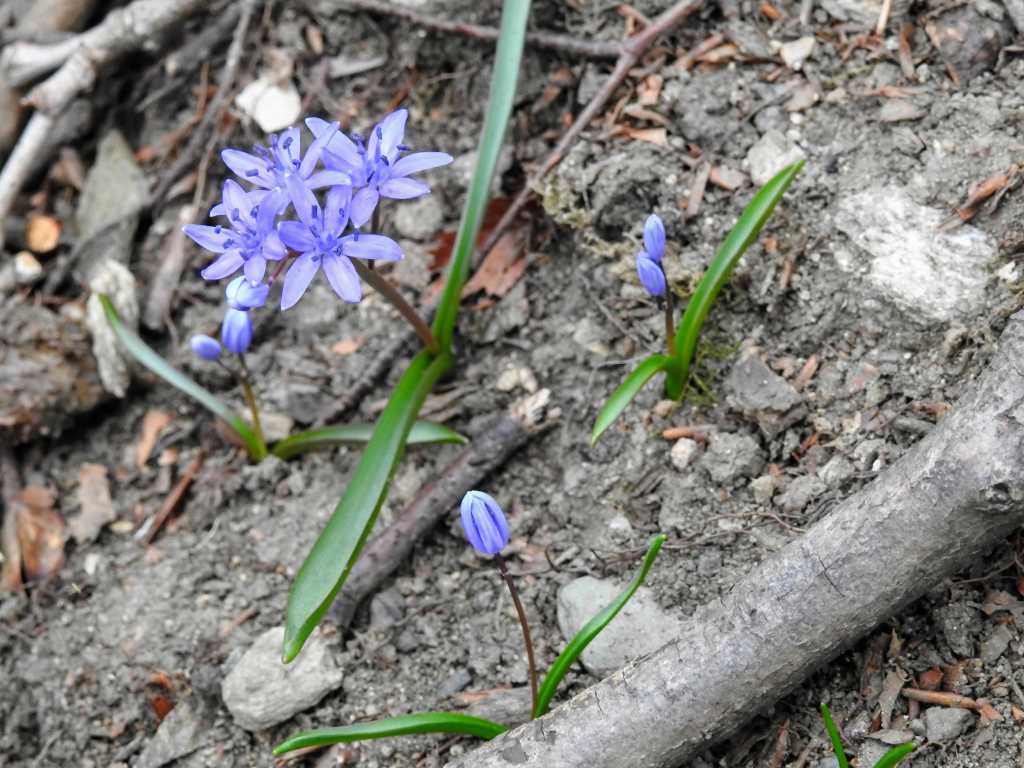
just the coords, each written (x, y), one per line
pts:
(625, 392)
(591, 630)
(833, 736)
(148, 357)
(895, 756)
(503, 90)
(403, 725)
(329, 437)
(739, 239)
(339, 544)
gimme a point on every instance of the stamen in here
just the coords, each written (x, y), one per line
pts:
(403, 147)
(288, 143)
(236, 215)
(252, 172)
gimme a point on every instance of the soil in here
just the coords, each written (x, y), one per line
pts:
(92, 659)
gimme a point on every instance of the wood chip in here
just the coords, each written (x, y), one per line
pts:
(97, 509)
(348, 345)
(727, 178)
(891, 687)
(42, 233)
(806, 373)
(154, 422)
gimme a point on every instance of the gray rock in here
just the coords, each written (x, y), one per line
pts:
(386, 608)
(640, 628)
(770, 154)
(902, 254)
(958, 623)
(836, 471)
(457, 681)
(683, 452)
(763, 488)
(800, 492)
(180, 734)
(828, 762)
(261, 691)
(730, 457)
(995, 645)
(419, 219)
(946, 723)
(113, 279)
(753, 386)
(871, 752)
(709, 562)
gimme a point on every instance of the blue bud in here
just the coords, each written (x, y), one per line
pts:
(205, 347)
(654, 238)
(243, 295)
(484, 523)
(236, 332)
(651, 276)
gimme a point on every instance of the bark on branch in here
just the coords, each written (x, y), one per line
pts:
(954, 495)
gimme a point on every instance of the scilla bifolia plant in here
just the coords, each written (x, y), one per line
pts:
(682, 343)
(890, 759)
(486, 529)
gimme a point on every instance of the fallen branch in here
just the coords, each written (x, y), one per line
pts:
(953, 496)
(383, 555)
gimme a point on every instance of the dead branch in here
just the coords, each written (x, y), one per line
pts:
(589, 49)
(953, 496)
(499, 439)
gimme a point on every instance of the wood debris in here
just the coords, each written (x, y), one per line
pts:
(97, 508)
(153, 423)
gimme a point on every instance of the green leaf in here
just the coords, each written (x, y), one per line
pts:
(503, 90)
(833, 735)
(329, 437)
(591, 630)
(403, 725)
(895, 756)
(625, 393)
(338, 546)
(742, 236)
(148, 357)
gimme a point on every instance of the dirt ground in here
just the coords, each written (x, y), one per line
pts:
(865, 327)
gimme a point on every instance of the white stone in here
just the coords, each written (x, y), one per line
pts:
(274, 106)
(904, 255)
(683, 452)
(27, 269)
(796, 52)
(771, 154)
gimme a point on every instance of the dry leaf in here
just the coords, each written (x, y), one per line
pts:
(347, 346)
(153, 424)
(94, 498)
(40, 532)
(502, 267)
(930, 680)
(651, 135)
(442, 250)
(42, 233)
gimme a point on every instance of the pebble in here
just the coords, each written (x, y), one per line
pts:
(995, 644)
(836, 471)
(683, 452)
(182, 732)
(640, 628)
(27, 269)
(730, 457)
(274, 106)
(753, 386)
(763, 488)
(457, 681)
(946, 723)
(957, 622)
(796, 52)
(770, 154)
(871, 752)
(261, 692)
(419, 219)
(800, 492)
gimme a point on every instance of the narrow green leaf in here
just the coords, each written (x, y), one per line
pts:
(148, 357)
(833, 735)
(503, 90)
(895, 756)
(739, 239)
(329, 437)
(403, 725)
(591, 630)
(338, 546)
(625, 393)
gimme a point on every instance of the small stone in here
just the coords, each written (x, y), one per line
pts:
(182, 732)
(276, 426)
(836, 471)
(709, 562)
(796, 52)
(753, 386)
(683, 452)
(800, 493)
(771, 154)
(27, 269)
(730, 457)
(115, 281)
(419, 219)
(42, 232)
(868, 453)
(274, 106)
(995, 644)
(640, 628)
(457, 681)
(946, 723)
(763, 488)
(261, 692)
(957, 622)
(871, 752)
(386, 609)
(900, 110)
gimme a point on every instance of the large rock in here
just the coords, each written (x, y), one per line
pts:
(640, 628)
(261, 691)
(903, 255)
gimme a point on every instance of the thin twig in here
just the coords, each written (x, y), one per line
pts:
(172, 501)
(589, 49)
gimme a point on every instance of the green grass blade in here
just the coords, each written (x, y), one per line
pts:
(329, 437)
(591, 630)
(338, 546)
(148, 357)
(895, 756)
(503, 90)
(403, 725)
(625, 392)
(833, 736)
(739, 239)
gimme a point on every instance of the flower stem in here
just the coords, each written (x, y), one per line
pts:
(670, 311)
(392, 294)
(525, 624)
(250, 400)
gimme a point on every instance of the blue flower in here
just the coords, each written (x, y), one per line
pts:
(319, 240)
(484, 523)
(236, 332)
(247, 243)
(376, 168)
(654, 238)
(651, 276)
(271, 168)
(205, 347)
(243, 295)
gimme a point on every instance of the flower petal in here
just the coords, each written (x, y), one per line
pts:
(297, 279)
(322, 179)
(316, 149)
(306, 205)
(273, 248)
(211, 238)
(255, 268)
(363, 203)
(403, 188)
(297, 236)
(420, 161)
(227, 264)
(343, 278)
(371, 247)
(340, 145)
(205, 347)
(654, 237)
(388, 134)
(237, 204)
(337, 208)
(236, 331)
(249, 167)
(651, 276)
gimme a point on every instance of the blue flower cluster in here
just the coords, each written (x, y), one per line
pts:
(322, 236)
(648, 261)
